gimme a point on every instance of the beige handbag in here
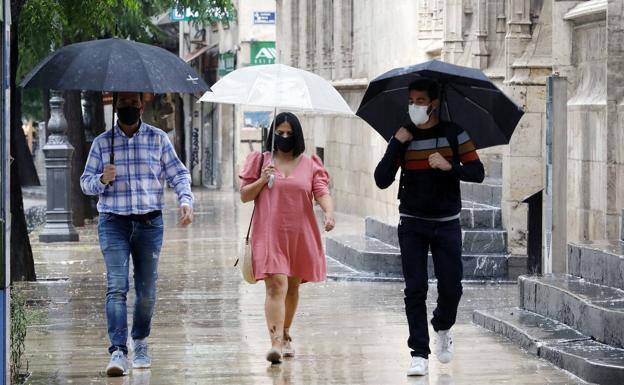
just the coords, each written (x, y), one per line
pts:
(246, 265)
(244, 261)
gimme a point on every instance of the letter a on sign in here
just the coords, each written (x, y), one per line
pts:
(263, 53)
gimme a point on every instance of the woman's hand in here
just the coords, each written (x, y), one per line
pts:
(266, 173)
(330, 222)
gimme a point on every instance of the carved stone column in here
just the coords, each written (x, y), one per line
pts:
(518, 32)
(480, 53)
(58, 152)
(453, 45)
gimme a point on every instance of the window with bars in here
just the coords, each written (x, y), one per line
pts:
(431, 18)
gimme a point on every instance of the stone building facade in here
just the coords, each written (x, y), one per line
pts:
(518, 44)
(212, 131)
(592, 58)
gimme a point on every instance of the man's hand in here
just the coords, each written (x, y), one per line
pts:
(403, 135)
(186, 215)
(330, 222)
(109, 174)
(438, 161)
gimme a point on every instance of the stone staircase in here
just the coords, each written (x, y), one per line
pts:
(575, 320)
(485, 255)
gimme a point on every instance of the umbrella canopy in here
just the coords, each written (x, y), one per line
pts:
(114, 65)
(278, 86)
(468, 98)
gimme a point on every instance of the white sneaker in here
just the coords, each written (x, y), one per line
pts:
(444, 346)
(418, 367)
(141, 359)
(118, 365)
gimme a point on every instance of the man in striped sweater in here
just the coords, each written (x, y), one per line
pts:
(433, 155)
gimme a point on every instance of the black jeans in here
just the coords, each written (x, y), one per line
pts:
(416, 236)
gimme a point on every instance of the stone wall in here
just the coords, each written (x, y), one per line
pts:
(592, 61)
(615, 119)
(518, 44)
(511, 42)
(359, 41)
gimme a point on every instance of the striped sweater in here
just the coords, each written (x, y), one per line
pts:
(425, 192)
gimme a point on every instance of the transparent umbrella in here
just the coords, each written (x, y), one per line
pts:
(280, 87)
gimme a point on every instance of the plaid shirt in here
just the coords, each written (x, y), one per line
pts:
(141, 162)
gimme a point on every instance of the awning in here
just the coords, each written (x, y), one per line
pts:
(195, 54)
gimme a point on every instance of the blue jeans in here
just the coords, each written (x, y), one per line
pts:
(121, 237)
(416, 237)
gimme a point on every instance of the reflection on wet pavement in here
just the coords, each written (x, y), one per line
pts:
(209, 326)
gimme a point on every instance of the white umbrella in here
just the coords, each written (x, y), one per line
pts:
(278, 86)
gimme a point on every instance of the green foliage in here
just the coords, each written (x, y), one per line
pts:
(19, 324)
(45, 25)
(208, 11)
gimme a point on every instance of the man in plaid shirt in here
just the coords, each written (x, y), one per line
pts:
(131, 197)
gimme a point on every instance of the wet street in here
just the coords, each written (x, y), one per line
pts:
(209, 325)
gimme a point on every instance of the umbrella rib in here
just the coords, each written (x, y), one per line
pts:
(470, 100)
(496, 90)
(251, 88)
(149, 80)
(108, 64)
(379, 95)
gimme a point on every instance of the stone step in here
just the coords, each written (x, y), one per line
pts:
(556, 342)
(371, 255)
(481, 241)
(595, 310)
(490, 192)
(600, 262)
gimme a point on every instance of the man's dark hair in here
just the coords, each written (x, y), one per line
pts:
(297, 132)
(431, 87)
(116, 96)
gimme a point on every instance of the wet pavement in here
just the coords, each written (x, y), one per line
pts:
(209, 326)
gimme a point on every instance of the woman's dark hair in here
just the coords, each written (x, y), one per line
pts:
(431, 87)
(297, 132)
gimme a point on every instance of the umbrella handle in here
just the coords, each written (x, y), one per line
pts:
(112, 151)
(272, 177)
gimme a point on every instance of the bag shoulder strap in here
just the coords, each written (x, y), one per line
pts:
(401, 168)
(254, 209)
(450, 131)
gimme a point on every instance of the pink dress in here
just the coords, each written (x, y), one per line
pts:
(285, 235)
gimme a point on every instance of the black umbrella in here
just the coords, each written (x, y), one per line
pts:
(114, 65)
(468, 98)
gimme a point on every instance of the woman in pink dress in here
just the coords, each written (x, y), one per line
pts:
(286, 241)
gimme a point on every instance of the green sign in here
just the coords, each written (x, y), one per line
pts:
(226, 63)
(263, 52)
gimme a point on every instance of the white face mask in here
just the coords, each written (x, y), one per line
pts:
(418, 114)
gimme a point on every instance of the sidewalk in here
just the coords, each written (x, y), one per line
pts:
(209, 326)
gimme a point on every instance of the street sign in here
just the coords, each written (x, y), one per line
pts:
(263, 52)
(176, 15)
(264, 17)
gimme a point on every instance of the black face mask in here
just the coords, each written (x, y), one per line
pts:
(129, 115)
(284, 144)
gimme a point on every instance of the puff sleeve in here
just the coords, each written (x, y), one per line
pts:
(320, 178)
(251, 170)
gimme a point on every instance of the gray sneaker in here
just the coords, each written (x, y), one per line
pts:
(118, 365)
(141, 359)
